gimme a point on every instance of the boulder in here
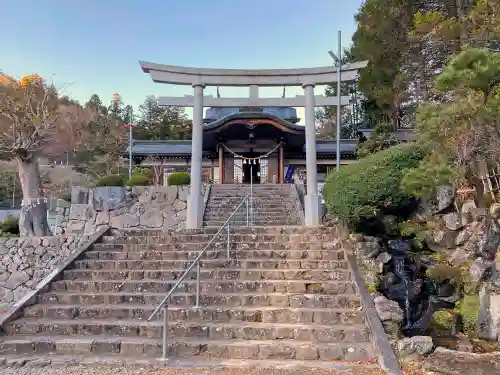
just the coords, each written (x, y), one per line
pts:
(388, 310)
(462, 236)
(466, 211)
(452, 221)
(459, 256)
(445, 195)
(367, 249)
(384, 257)
(444, 238)
(488, 245)
(495, 211)
(480, 269)
(452, 362)
(416, 345)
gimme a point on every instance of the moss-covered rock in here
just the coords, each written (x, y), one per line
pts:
(468, 308)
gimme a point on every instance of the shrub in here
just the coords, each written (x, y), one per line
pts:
(179, 178)
(372, 185)
(143, 171)
(10, 225)
(138, 180)
(111, 180)
(423, 180)
(468, 308)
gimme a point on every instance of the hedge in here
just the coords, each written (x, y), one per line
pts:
(10, 226)
(111, 180)
(363, 189)
(138, 180)
(179, 178)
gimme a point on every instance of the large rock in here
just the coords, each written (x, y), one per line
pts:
(495, 211)
(444, 197)
(368, 249)
(388, 310)
(459, 257)
(110, 198)
(466, 211)
(452, 221)
(443, 238)
(480, 269)
(452, 362)
(489, 244)
(416, 345)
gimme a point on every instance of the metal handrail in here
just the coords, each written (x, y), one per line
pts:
(196, 262)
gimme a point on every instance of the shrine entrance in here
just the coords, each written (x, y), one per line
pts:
(251, 169)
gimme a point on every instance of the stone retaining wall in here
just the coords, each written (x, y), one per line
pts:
(140, 207)
(24, 262)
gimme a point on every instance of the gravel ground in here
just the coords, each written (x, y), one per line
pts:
(108, 370)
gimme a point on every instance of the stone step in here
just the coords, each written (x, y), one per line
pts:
(268, 204)
(345, 297)
(209, 264)
(209, 274)
(242, 215)
(217, 254)
(221, 244)
(255, 195)
(194, 348)
(198, 365)
(80, 321)
(242, 223)
(252, 230)
(206, 286)
(237, 235)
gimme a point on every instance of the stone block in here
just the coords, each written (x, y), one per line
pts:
(307, 353)
(109, 198)
(79, 195)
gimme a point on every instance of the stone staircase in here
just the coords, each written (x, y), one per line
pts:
(272, 205)
(286, 294)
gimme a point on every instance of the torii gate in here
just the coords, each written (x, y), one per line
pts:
(199, 78)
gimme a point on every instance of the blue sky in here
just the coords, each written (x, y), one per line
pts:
(93, 46)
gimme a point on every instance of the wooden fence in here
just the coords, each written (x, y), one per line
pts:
(491, 183)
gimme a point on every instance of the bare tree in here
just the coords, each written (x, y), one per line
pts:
(33, 123)
(157, 165)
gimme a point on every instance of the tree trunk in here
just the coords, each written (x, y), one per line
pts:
(33, 218)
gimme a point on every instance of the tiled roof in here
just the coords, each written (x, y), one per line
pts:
(183, 148)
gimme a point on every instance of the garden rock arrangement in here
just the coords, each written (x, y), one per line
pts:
(444, 259)
(139, 207)
(24, 262)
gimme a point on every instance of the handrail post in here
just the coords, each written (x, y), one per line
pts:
(248, 223)
(165, 332)
(251, 194)
(198, 284)
(163, 302)
(228, 242)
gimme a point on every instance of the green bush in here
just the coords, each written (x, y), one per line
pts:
(179, 178)
(9, 226)
(143, 171)
(468, 308)
(111, 180)
(138, 180)
(372, 185)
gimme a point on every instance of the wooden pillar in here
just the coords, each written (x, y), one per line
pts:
(221, 166)
(281, 165)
